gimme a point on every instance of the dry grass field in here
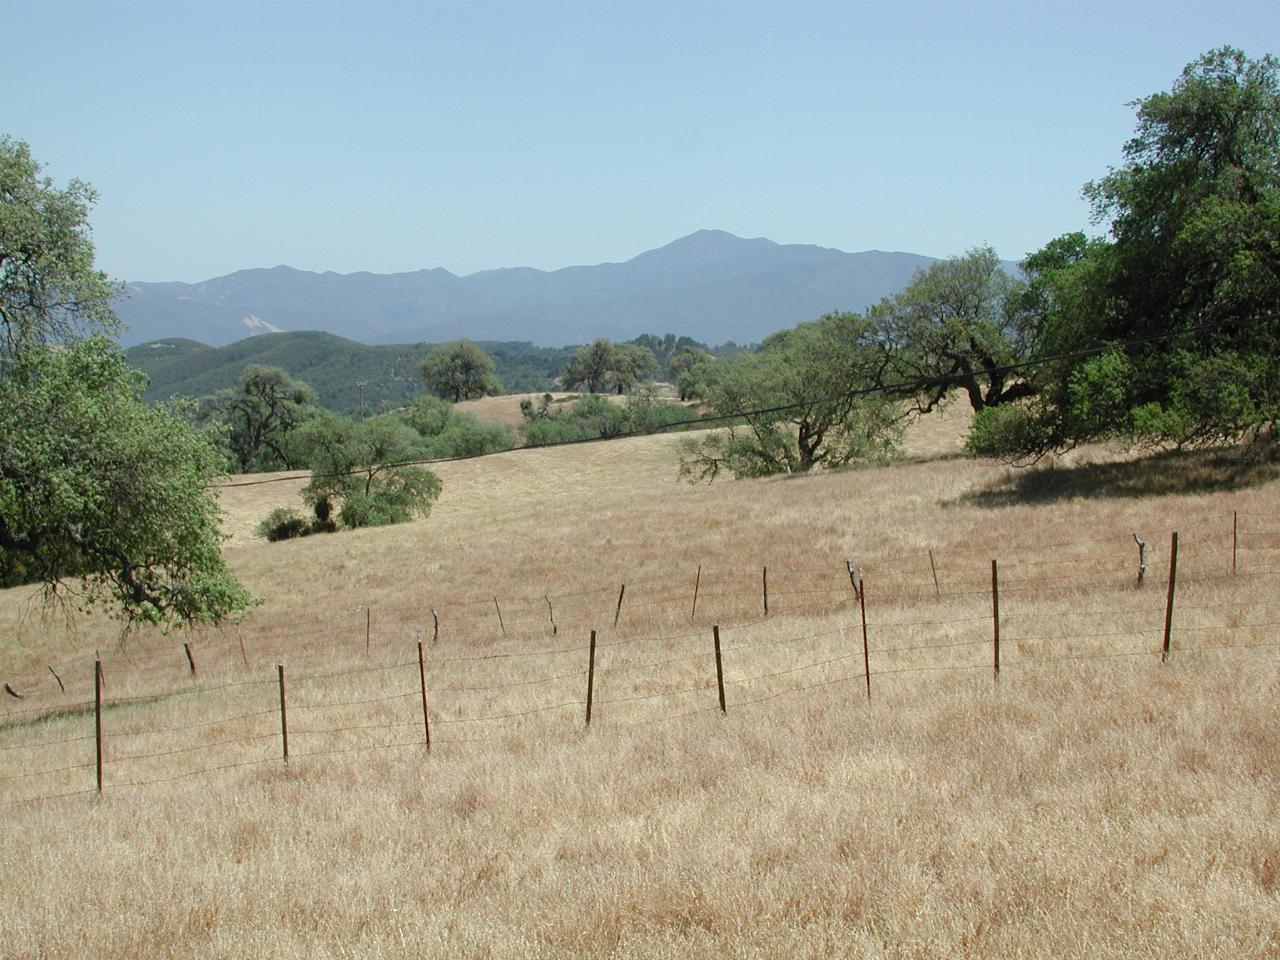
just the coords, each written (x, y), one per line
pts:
(1094, 802)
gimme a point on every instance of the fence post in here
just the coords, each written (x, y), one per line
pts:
(866, 656)
(284, 715)
(422, 680)
(995, 616)
(435, 620)
(764, 582)
(591, 675)
(715, 633)
(1142, 558)
(58, 678)
(368, 624)
(1168, 607)
(933, 568)
(97, 717)
(240, 636)
(500, 623)
(617, 613)
(551, 612)
(1235, 524)
(190, 661)
(697, 582)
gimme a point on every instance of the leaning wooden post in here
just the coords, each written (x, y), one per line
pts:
(97, 717)
(995, 617)
(1142, 558)
(933, 567)
(551, 612)
(862, 606)
(591, 675)
(500, 623)
(284, 715)
(435, 620)
(618, 612)
(190, 661)
(764, 584)
(422, 681)
(1168, 607)
(715, 633)
(697, 582)
(1235, 538)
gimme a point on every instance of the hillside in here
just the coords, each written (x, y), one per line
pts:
(1091, 801)
(711, 286)
(333, 366)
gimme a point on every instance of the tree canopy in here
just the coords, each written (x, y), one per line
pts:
(260, 416)
(798, 404)
(49, 289)
(101, 495)
(460, 371)
(605, 365)
(1186, 286)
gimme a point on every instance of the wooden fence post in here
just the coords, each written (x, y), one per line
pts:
(1235, 538)
(422, 681)
(995, 616)
(933, 568)
(697, 582)
(190, 661)
(715, 633)
(500, 623)
(435, 620)
(591, 675)
(240, 636)
(284, 715)
(1142, 558)
(368, 626)
(97, 717)
(866, 656)
(58, 678)
(617, 613)
(764, 583)
(1168, 607)
(551, 612)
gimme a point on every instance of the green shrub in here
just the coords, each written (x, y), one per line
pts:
(283, 523)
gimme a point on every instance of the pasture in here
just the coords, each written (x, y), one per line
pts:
(1092, 801)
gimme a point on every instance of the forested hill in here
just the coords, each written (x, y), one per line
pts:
(331, 365)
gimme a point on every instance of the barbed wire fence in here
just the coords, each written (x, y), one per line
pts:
(529, 666)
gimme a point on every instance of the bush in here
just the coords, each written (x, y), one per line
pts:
(283, 523)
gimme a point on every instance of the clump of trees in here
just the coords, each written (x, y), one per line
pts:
(597, 417)
(100, 493)
(258, 419)
(1185, 286)
(608, 366)
(459, 371)
(793, 406)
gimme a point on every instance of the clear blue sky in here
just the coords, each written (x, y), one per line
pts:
(394, 136)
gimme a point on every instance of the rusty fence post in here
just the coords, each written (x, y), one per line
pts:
(995, 618)
(97, 718)
(422, 681)
(284, 715)
(618, 612)
(697, 582)
(591, 675)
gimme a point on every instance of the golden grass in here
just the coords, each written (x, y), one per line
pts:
(1099, 806)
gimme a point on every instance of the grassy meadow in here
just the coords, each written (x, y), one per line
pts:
(1093, 802)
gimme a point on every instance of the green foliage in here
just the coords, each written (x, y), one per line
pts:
(812, 373)
(356, 468)
(283, 523)
(446, 433)
(1191, 267)
(332, 365)
(954, 327)
(597, 417)
(260, 417)
(100, 488)
(605, 365)
(460, 371)
(49, 289)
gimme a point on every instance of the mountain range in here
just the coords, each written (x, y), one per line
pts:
(711, 286)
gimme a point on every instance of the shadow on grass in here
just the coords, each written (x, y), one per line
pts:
(1161, 474)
